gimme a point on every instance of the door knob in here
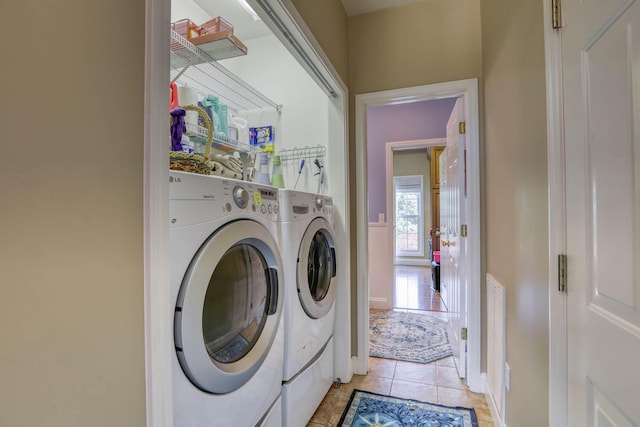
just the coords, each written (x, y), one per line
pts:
(445, 243)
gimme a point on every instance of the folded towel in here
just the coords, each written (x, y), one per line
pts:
(219, 169)
(233, 164)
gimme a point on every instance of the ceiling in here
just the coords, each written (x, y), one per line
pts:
(244, 26)
(356, 7)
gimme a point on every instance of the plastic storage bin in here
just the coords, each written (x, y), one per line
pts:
(216, 25)
(186, 28)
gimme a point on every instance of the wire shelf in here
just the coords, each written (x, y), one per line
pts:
(193, 67)
(219, 141)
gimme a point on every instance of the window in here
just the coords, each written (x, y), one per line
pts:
(409, 217)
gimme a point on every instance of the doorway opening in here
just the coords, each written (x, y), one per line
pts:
(467, 90)
(410, 289)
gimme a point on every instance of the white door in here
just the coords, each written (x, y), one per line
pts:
(452, 244)
(601, 77)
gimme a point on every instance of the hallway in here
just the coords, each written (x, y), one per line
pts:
(435, 382)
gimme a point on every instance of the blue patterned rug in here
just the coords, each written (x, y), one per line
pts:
(370, 409)
(413, 337)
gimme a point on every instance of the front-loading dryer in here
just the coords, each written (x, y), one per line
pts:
(227, 290)
(309, 259)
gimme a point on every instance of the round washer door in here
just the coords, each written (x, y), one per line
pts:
(316, 269)
(229, 307)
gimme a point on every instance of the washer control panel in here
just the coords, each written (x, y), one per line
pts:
(265, 201)
(220, 197)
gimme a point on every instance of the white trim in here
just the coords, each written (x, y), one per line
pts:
(379, 303)
(558, 382)
(358, 367)
(319, 66)
(158, 325)
(497, 420)
(378, 224)
(469, 90)
(361, 361)
(418, 262)
(491, 402)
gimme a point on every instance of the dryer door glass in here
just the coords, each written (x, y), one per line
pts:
(320, 266)
(236, 303)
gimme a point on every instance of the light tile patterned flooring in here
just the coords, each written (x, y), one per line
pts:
(435, 382)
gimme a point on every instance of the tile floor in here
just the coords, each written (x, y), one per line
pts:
(435, 382)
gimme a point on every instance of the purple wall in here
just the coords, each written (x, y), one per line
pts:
(402, 122)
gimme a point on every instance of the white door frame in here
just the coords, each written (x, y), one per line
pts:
(389, 148)
(558, 381)
(158, 324)
(469, 90)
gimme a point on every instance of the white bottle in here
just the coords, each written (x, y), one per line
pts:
(263, 170)
(186, 144)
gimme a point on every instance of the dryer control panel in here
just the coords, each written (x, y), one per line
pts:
(297, 205)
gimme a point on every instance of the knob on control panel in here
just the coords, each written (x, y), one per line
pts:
(241, 197)
(319, 202)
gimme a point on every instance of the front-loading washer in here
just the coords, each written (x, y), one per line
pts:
(309, 261)
(227, 290)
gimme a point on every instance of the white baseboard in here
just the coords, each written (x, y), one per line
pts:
(360, 365)
(498, 421)
(379, 303)
(412, 262)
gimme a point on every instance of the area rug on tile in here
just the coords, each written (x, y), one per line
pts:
(413, 337)
(371, 409)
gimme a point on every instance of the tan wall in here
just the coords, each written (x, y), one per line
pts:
(516, 194)
(329, 26)
(421, 43)
(71, 252)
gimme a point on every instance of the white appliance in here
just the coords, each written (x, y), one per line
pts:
(309, 257)
(227, 287)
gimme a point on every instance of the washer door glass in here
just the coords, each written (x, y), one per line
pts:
(228, 309)
(235, 304)
(320, 266)
(316, 271)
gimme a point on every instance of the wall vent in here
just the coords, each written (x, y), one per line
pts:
(496, 344)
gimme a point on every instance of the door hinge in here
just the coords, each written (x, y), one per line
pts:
(463, 334)
(562, 273)
(463, 230)
(556, 14)
(462, 128)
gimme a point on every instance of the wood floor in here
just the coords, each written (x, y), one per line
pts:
(412, 290)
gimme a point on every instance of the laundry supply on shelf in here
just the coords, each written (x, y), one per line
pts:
(277, 180)
(263, 170)
(177, 128)
(262, 137)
